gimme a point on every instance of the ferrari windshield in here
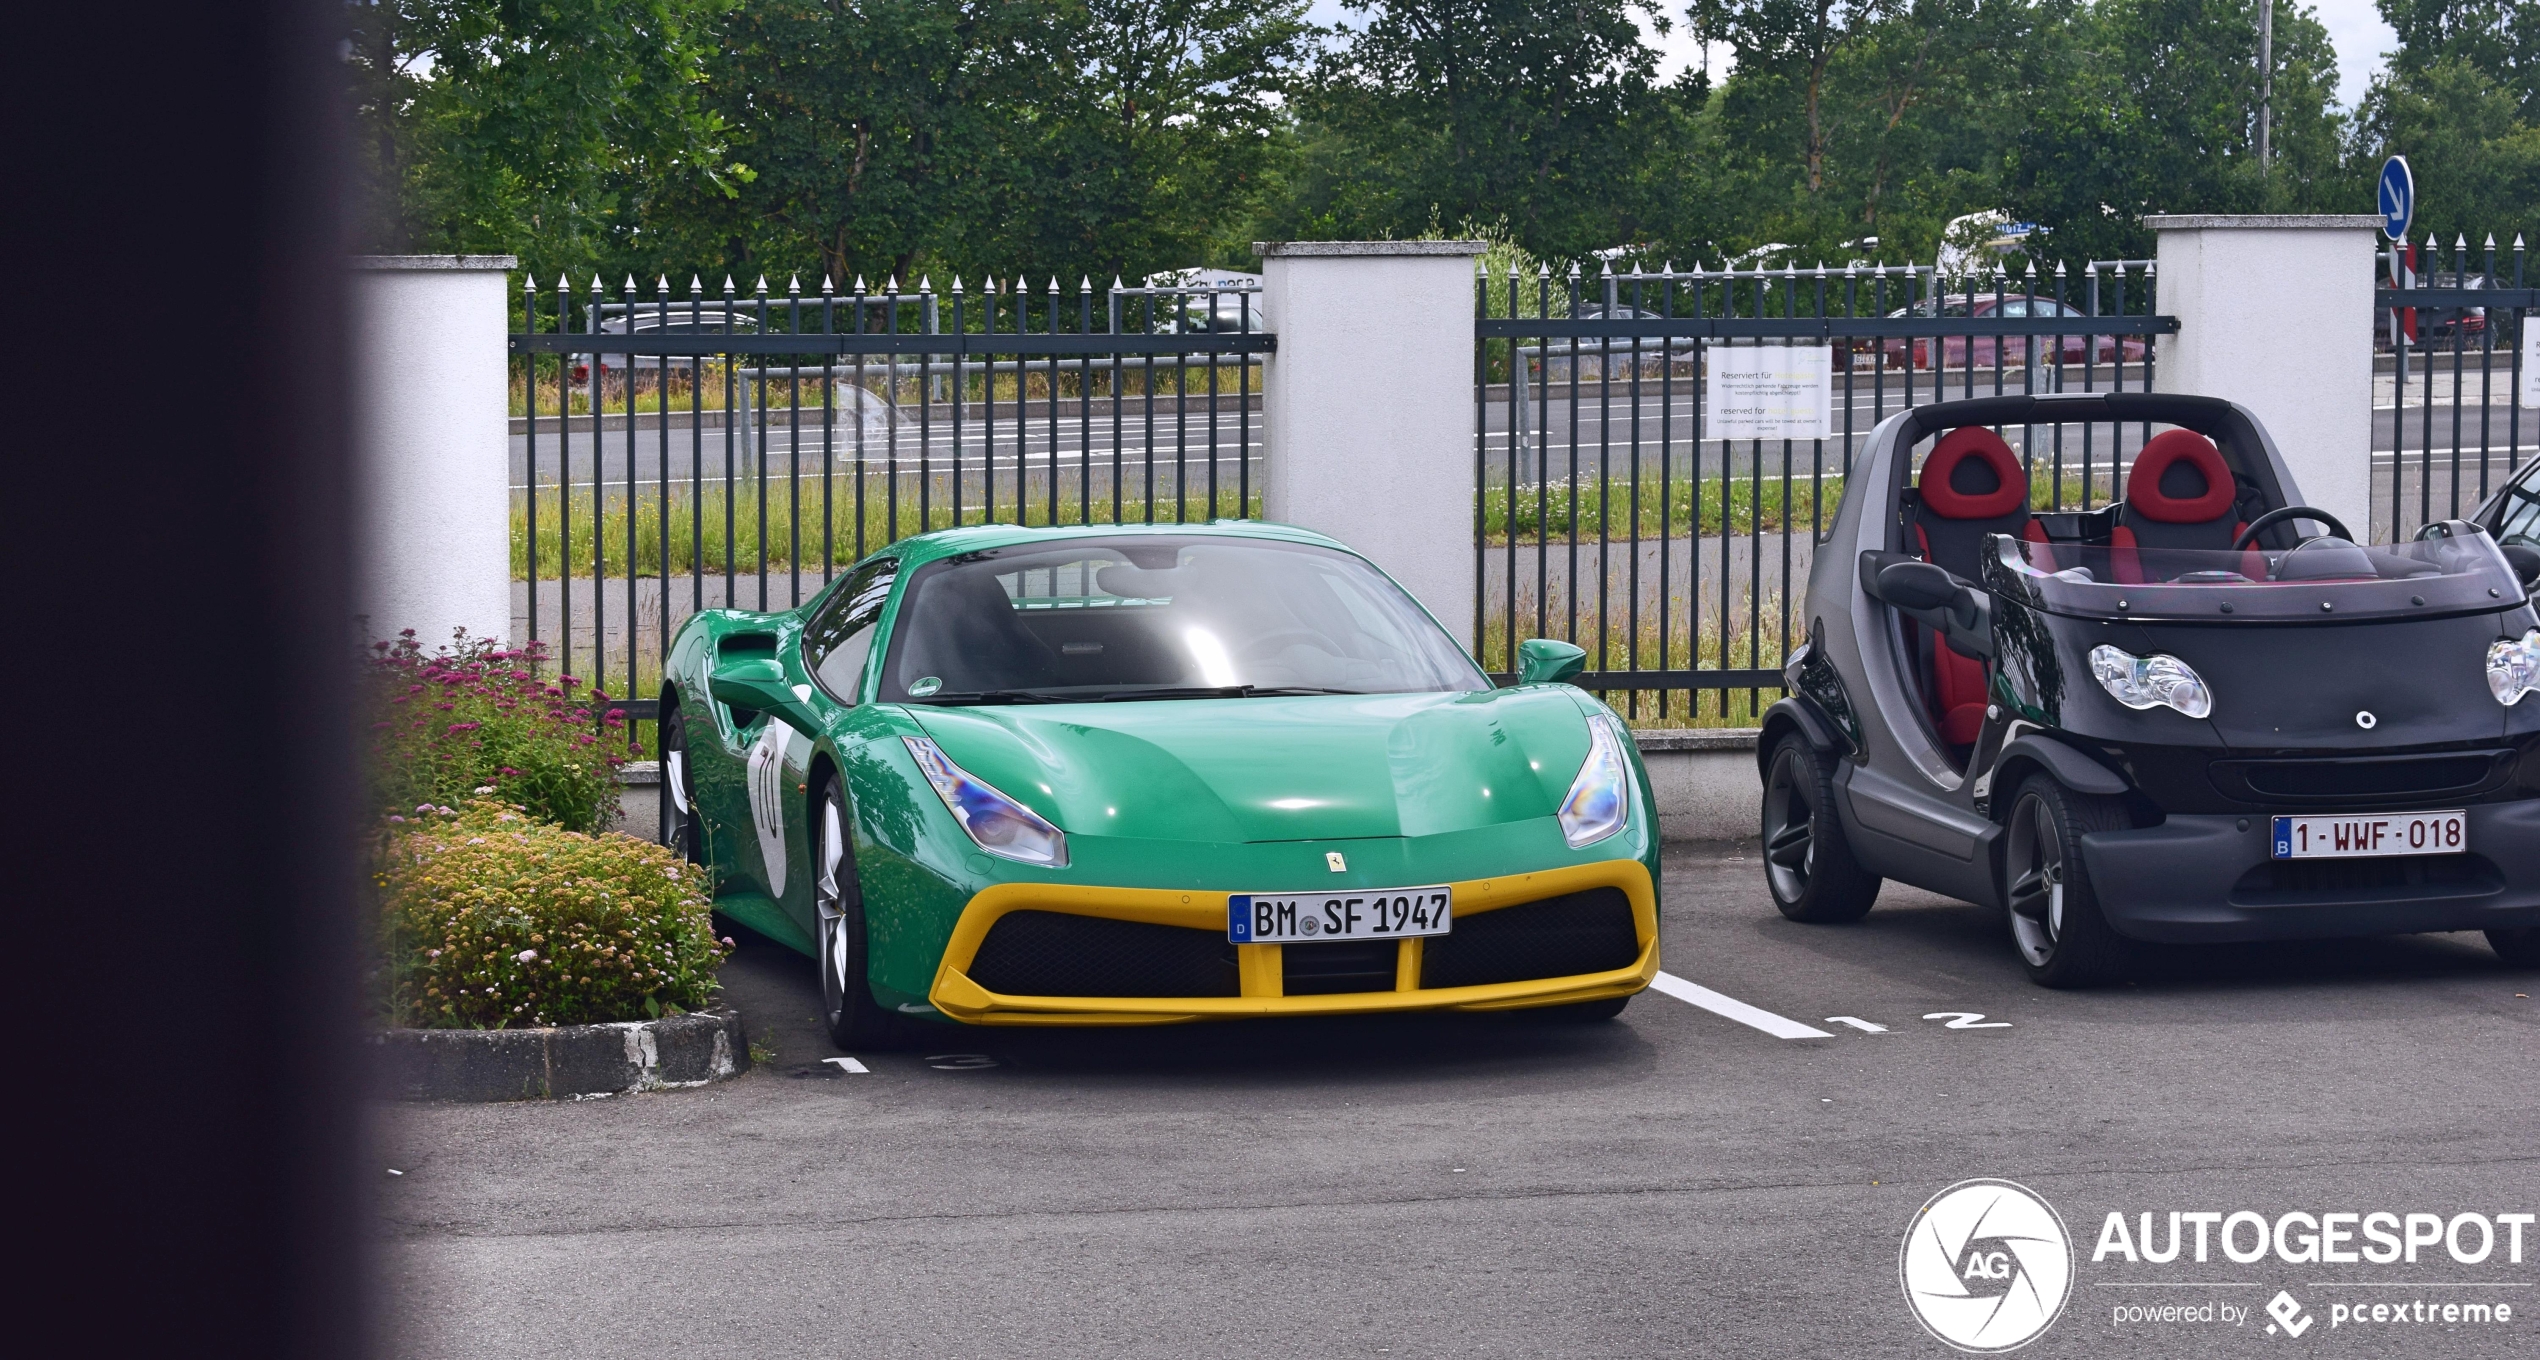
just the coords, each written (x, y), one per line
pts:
(1154, 617)
(2323, 578)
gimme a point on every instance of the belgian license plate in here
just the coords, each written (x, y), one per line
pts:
(1383, 914)
(2391, 833)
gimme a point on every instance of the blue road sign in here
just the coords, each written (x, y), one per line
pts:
(2398, 198)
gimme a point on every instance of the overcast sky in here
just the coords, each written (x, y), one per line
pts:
(2353, 25)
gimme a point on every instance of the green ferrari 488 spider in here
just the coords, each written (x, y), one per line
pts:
(1133, 775)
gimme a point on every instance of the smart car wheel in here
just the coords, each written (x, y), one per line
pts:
(847, 1004)
(679, 785)
(2521, 948)
(2063, 937)
(1807, 863)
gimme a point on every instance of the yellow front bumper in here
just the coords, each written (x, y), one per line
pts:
(957, 996)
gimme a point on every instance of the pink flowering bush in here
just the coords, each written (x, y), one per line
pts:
(473, 719)
(490, 919)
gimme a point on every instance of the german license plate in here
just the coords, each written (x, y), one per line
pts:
(1384, 914)
(2390, 833)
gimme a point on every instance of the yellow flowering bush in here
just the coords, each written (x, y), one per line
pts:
(492, 919)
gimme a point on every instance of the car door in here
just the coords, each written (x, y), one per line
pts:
(838, 652)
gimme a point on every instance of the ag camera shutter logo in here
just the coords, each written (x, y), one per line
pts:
(1986, 1266)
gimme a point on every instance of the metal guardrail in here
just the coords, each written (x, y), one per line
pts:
(996, 420)
(1608, 514)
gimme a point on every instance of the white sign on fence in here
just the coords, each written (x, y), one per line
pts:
(1767, 391)
(2531, 364)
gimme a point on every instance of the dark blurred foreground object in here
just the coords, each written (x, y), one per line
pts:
(181, 880)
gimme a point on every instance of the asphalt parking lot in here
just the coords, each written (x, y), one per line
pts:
(1674, 1182)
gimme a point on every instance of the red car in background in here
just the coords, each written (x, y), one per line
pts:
(2015, 351)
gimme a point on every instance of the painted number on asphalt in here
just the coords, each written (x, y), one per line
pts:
(1968, 1020)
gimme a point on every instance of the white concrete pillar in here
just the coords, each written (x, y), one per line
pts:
(2275, 312)
(432, 439)
(1369, 404)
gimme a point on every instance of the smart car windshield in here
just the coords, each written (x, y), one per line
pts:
(2321, 578)
(1154, 617)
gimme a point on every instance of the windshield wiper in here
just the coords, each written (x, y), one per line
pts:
(992, 696)
(1218, 692)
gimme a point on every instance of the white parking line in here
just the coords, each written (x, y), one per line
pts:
(1693, 993)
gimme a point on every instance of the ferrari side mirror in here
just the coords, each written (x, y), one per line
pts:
(1542, 661)
(759, 687)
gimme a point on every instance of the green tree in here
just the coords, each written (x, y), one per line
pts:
(553, 128)
(1440, 111)
(1156, 142)
(2476, 161)
(877, 129)
(2499, 37)
(2154, 110)
(1878, 120)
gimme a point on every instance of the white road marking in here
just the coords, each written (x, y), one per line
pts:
(1856, 1022)
(1691, 993)
(846, 1064)
(1968, 1020)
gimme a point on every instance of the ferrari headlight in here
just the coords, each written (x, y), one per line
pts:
(1001, 826)
(2150, 681)
(1599, 801)
(2513, 668)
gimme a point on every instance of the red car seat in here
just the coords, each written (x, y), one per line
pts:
(1971, 486)
(2180, 495)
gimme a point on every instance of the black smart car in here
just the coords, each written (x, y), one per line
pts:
(2178, 718)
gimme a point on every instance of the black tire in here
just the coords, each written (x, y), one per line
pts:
(2519, 948)
(854, 1019)
(1808, 866)
(2063, 938)
(679, 787)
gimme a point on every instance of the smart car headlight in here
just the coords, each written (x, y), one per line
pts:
(1001, 826)
(2513, 668)
(1599, 801)
(2150, 681)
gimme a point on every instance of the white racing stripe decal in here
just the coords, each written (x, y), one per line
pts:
(1695, 994)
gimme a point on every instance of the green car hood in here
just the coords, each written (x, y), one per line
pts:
(1323, 767)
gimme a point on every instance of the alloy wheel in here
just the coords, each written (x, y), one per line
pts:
(2036, 890)
(837, 947)
(1790, 827)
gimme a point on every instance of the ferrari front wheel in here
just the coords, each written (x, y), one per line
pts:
(855, 1020)
(679, 785)
(2063, 937)
(1807, 863)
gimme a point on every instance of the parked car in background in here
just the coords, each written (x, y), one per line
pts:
(2442, 325)
(1597, 357)
(2014, 350)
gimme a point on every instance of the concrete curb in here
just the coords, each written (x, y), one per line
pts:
(564, 1062)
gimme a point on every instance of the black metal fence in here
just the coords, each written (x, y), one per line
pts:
(2451, 420)
(1609, 512)
(677, 454)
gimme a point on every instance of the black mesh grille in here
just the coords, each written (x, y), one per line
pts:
(1583, 932)
(2398, 878)
(1049, 953)
(1325, 969)
(2364, 778)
